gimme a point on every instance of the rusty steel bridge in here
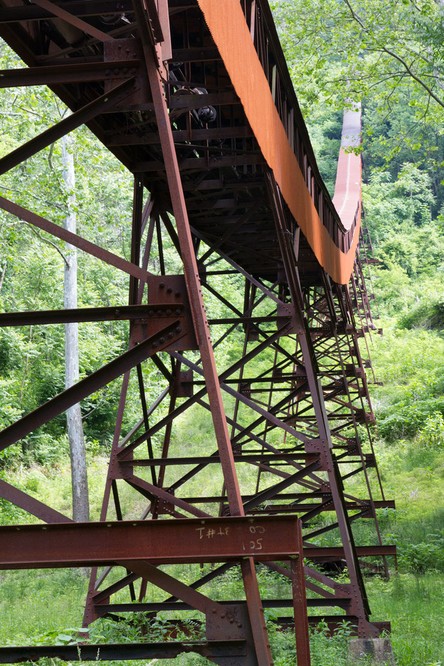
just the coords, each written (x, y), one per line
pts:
(195, 99)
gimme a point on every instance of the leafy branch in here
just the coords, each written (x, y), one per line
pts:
(383, 49)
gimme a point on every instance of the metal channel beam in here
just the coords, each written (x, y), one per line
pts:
(120, 651)
(155, 541)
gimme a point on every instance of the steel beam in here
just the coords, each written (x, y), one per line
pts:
(85, 387)
(76, 73)
(73, 239)
(121, 313)
(233, 649)
(85, 114)
(155, 541)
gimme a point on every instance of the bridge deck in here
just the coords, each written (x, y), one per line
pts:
(234, 109)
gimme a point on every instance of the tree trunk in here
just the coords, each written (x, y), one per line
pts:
(80, 501)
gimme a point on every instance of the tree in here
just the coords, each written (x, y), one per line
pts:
(80, 502)
(373, 45)
(388, 54)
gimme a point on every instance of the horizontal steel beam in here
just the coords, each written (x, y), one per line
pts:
(76, 73)
(180, 136)
(158, 607)
(120, 313)
(258, 457)
(201, 163)
(123, 651)
(154, 541)
(337, 553)
(196, 54)
(188, 102)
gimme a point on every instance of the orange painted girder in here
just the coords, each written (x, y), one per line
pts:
(231, 35)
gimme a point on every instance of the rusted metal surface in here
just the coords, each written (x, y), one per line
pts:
(232, 651)
(154, 541)
(287, 404)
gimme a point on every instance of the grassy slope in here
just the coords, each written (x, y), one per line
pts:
(43, 607)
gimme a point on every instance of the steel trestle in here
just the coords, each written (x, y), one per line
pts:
(252, 449)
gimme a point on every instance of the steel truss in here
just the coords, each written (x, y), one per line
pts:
(252, 342)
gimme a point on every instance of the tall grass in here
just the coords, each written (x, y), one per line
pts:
(415, 606)
(46, 608)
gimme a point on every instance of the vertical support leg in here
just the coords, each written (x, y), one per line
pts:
(300, 606)
(260, 638)
(359, 605)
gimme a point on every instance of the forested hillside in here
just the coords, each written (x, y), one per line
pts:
(388, 56)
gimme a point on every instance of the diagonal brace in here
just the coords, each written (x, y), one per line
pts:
(74, 239)
(73, 20)
(80, 117)
(85, 387)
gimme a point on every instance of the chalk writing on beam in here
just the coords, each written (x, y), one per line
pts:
(212, 532)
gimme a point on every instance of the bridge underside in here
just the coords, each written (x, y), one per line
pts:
(254, 339)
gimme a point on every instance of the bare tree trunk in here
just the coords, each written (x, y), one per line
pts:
(80, 501)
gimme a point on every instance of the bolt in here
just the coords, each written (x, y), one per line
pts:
(162, 285)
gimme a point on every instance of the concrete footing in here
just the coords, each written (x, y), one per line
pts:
(371, 652)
